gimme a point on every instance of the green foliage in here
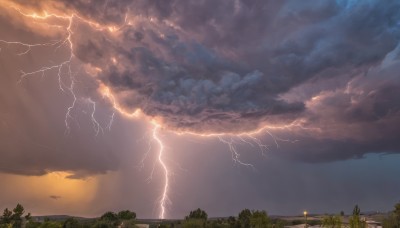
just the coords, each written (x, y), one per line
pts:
(32, 224)
(6, 218)
(332, 222)
(197, 214)
(355, 220)
(5, 226)
(50, 224)
(103, 224)
(109, 216)
(218, 224)
(390, 221)
(278, 224)
(13, 218)
(244, 218)
(126, 215)
(356, 210)
(253, 219)
(194, 223)
(71, 223)
(259, 219)
(232, 222)
(18, 211)
(393, 219)
(28, 217)
(195, 219)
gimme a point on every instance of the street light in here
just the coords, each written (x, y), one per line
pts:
(305, 216)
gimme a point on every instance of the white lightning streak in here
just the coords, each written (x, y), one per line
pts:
(164, 197)
(96, 125)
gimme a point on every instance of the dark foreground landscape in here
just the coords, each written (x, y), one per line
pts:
(18, 218)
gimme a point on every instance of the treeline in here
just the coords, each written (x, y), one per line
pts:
(196, 219)
(16, 219)
(245, 219)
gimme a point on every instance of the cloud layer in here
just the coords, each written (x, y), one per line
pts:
(223, 66)
(233, 66)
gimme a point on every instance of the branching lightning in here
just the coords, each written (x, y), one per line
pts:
(230, 139)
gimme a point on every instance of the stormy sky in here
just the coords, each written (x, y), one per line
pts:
(307, 92)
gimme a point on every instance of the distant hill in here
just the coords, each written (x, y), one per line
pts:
(58, 217)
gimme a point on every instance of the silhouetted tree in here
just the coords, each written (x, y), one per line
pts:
(259, 219)
(196, 219)
(356, 210)
(28, 217)
(126, 215)
(16, 217)
(244, 218)
(6, 218)
(110, 218)
(197, 214)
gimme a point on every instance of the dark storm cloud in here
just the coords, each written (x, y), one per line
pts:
(222, 66)
(229, 66)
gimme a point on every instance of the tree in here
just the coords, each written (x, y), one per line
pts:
(18, 212)
(332, 222)
(28, 217)
(16, 218)
(244, 218)
(356, 210)
(355, 220)
(196, 218)
(231, 221)
(70, 223)
(110, 218)
(197, 214)
(259, 219)
(6, 218)
(126, 215)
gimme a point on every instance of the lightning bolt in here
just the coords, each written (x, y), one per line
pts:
(164, 196)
